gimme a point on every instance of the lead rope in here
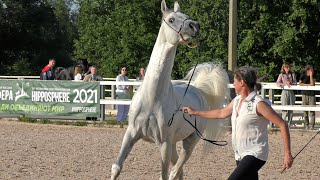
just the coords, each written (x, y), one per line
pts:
(302, 149)
(184, 94)
(218, 143)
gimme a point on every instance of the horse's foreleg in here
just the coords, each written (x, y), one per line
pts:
(129, 139)
(188, 145)
(166, 153)
(174, 159)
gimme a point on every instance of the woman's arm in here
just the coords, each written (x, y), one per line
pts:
(294, 79)
(312, 79)
(126, 79)
(212, 113)
(266, 111)
(280, 81)
(120, 87)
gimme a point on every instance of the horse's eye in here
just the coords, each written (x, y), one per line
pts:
(171, 20)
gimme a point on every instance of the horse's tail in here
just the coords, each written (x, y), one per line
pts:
(212, 80)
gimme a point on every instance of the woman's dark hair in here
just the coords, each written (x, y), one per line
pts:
(308, 67)
(249, 76)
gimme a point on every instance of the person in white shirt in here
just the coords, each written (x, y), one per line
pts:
(77, 73)
(250, 116)
(122, 92)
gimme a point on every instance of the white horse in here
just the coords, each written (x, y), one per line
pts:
(157, 98)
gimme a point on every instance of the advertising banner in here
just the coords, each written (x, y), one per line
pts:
(50, 98)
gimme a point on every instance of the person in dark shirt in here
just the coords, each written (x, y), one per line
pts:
(47, 72)
(307, 78)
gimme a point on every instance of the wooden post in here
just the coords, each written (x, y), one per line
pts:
(232, 44)
(271, 95)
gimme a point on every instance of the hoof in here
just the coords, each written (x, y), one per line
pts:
(115, 171)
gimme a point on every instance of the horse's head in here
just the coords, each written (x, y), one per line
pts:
(178, 27)
(83, 64)
(61, 74)
(57, 71)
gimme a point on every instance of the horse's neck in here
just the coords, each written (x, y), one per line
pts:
(157, 81)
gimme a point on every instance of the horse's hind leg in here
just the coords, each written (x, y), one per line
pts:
(188, 145)
(130, 138)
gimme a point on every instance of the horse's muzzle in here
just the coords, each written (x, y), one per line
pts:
(195, 27)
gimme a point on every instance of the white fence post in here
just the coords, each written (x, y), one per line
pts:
(113, 95)
(102, 106)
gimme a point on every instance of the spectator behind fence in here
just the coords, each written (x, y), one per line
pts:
(77, 73)
(287, 78)
(140, 77)
(47, 72)
(123, 92)
(93, 75)
(307, 78)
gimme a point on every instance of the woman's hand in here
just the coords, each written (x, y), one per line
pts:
(287, 161)
(188, 110)
(288, 83)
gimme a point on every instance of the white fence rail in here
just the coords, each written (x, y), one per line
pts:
(269, 91)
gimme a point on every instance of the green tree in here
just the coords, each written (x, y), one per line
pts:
(117, 33)
(67, 31)
(24, 34)
(213, 38)
(271, 33)
(30, 34)
(113, 33)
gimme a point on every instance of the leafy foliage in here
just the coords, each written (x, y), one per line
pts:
(271, 33)
(30, 34)
(115, 33)
(213, 38)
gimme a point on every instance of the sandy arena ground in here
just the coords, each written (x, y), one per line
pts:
(39, 151)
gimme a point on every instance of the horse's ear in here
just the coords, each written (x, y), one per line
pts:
(164, 7)
(176, 7)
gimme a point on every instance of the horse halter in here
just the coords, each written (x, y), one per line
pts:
(178, 31)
